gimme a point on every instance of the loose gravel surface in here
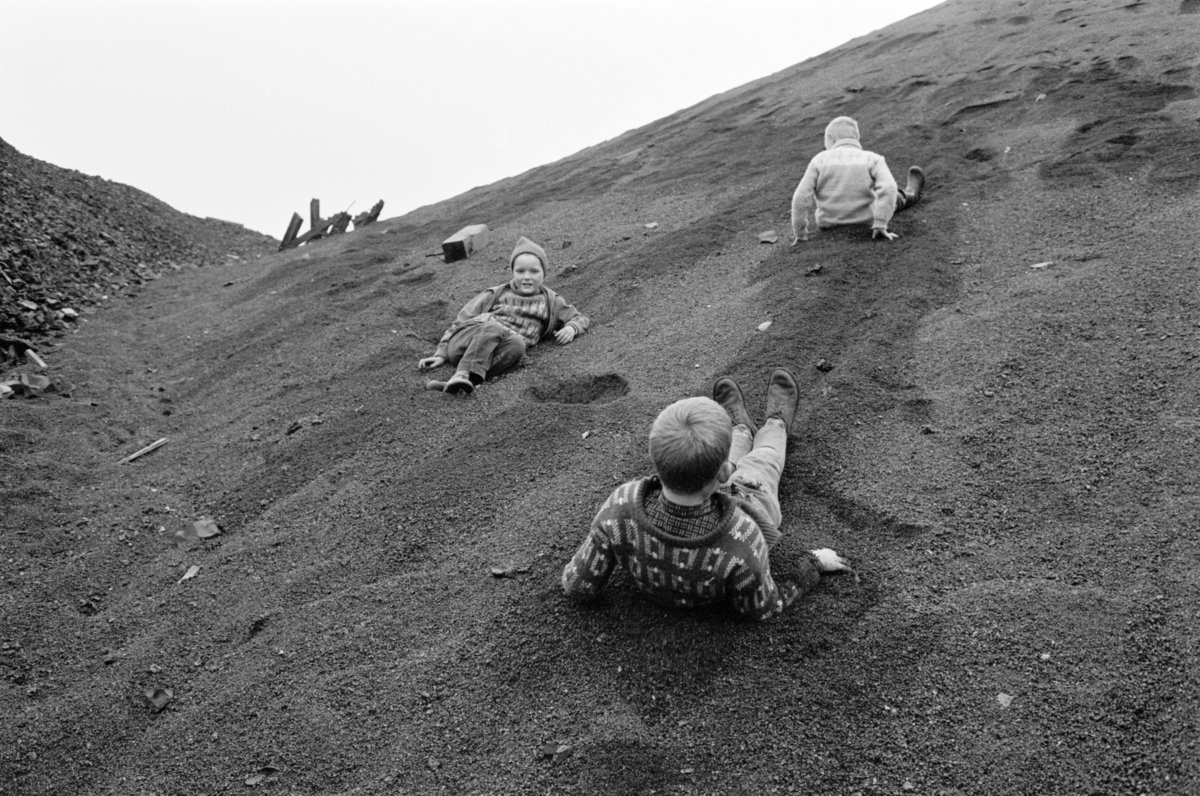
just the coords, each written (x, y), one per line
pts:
(1005, 448)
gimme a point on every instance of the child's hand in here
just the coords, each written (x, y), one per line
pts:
(565, 335)
(829, 561)
(889, 235)
(430, 362)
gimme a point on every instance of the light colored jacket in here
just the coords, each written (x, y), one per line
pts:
(845, 184)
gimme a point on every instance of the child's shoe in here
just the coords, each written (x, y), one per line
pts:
(460, 382)
(783, 397)
(916, 182)
(728, 394)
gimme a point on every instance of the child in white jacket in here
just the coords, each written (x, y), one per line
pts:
(847, 184)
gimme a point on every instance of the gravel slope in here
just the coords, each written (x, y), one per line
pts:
(1005, 452)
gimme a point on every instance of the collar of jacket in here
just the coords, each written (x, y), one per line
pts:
(847, 142)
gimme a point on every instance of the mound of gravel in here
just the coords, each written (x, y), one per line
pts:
(68, 240)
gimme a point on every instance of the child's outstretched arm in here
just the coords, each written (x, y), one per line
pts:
(804, 199)
(883, 185)
(569, 322)
(589, 569)
(472, 308)
(756, 594)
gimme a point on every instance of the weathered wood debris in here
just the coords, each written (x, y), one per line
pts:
(324, 227)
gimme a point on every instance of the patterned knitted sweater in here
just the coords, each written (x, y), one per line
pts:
(730, 564)
(540, 316)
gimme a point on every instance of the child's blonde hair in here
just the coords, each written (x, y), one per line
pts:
(689, 442)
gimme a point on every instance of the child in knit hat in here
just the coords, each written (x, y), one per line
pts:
(492, 330)
(699, 531)
(846, 184)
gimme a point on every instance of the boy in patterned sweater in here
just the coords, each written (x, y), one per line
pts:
(846, 184)
(492, 330)
(698, 533)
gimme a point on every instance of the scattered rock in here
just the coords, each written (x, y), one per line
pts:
(824, 365)
(262, 775)
(769, 236)
(158, 698)
(815, 270)
(206, 528)
(554, 751)
(762, 327)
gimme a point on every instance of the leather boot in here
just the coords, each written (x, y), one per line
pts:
(783, 397)
(728, 394)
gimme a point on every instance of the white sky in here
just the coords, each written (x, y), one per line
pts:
(246, 110)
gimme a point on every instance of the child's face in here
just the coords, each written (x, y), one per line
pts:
(527, 274)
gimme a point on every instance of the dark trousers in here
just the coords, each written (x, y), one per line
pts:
(902, 200)
(485, 350)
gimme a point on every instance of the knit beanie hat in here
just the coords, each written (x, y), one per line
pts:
(840, 129)
(526, 246)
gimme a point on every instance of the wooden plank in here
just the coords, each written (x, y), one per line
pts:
(376, 209)
(313, 234)
(153, 446)
(293, 229)
(368, 216)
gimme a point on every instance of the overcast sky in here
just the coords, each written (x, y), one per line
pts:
(246, 110)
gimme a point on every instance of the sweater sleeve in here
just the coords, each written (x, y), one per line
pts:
(474, 307)
(755, 593)
(883, 185)
(804, 199)
(565, 314)
(589, 569)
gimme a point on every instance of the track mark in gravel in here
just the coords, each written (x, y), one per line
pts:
(861, 518)
(1123, 144)
(582, 390)
(417, 279)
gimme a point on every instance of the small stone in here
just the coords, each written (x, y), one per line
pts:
(824, 365)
